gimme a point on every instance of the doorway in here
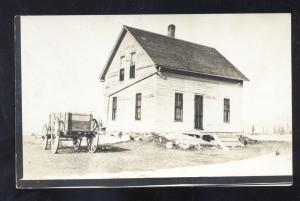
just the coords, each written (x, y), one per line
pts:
(198, 101)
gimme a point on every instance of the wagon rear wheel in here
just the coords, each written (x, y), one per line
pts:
(44, 136)
(92, 143)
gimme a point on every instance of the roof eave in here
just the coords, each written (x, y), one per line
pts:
(200, 73)
(104, 71)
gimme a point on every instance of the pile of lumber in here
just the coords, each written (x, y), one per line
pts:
(227, 140)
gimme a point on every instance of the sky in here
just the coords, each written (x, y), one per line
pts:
(63, 56)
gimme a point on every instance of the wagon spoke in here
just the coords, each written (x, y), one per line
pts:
(95, 125)
(44, 136)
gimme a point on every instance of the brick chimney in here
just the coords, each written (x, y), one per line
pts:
(171, 30)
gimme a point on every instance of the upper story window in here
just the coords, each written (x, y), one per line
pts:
(122, 65)
(178, 116)
(132, 65)
(121, 76)
(226, 117)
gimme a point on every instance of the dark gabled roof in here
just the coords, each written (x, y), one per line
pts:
(180, 55)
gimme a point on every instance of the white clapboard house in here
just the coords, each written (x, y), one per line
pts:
(158, 83)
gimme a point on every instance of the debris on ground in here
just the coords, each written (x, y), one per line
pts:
(169, 145)
(181, 141)
(140, 136)
(113, 138)
(246, 140)
(188, 141)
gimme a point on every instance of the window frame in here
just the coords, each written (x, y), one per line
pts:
(226, 110)
(121, 74)
(114, 108)
(122, 68)
(138, 107)
(132, 65)
(178, 106)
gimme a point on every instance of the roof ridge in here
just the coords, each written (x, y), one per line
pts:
(169, 37)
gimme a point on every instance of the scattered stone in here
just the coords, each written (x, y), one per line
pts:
(169, 145)
(198, 146)
(184, 146)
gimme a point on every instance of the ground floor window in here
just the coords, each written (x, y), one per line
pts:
(226, 117)
(178, 115)
(138, 106)
(114, 108)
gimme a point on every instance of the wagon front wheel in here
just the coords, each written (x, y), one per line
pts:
(45, 137)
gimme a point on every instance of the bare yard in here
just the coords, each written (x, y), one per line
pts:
(132, 156)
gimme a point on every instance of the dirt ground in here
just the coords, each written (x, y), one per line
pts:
(131, 156)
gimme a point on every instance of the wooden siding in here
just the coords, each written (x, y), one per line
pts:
(125, 117)
(143, 65)
(213, 93)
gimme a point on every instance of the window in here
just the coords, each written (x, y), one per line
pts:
(226, 117)
(132, 65)
(122, 65)
(114, 108)
(122, 74)
(178, 116)
(138, 106)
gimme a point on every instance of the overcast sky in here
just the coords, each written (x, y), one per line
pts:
(63, 56)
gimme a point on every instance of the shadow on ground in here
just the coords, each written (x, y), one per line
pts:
(100, 149)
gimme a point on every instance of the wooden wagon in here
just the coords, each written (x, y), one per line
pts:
(71, 126)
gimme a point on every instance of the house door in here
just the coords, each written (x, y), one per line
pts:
(198, 112)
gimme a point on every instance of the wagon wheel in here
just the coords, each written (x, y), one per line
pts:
(92, 141)
(45, 136)
(94, 126)
(76, 143)
(55, 135)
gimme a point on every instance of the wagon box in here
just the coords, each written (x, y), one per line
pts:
(70, 126)
(73, 121)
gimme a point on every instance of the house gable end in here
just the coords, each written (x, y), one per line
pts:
(112, 54)
(124, 32)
